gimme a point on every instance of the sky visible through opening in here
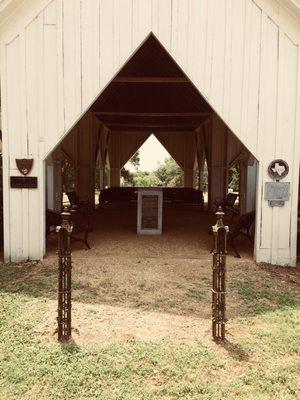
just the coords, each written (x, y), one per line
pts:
(152, 153)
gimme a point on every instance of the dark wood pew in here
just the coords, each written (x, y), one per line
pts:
(81, 225)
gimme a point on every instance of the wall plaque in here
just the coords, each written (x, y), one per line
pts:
(149, 217)
(23, 182)
(24, 165)
(278, 169)
(149, 211)
(276, 193)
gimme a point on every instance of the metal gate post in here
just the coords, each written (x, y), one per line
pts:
(219, 278)
(64, 278)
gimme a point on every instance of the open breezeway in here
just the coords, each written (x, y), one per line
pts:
(151, 95)
(185, 235)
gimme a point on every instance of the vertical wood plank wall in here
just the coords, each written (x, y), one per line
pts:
(57, 56)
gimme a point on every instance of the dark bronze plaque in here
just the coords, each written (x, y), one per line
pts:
(24, 165)
(23, 182)
(149, 212)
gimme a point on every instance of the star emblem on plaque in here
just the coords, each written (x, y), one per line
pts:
(278, 169)
(24, 165)
(277, 193)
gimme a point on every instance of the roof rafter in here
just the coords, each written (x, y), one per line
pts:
(150, 79)
(152, 114)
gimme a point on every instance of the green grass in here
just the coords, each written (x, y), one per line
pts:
(194, 293)
(265, 297)
(261, 362)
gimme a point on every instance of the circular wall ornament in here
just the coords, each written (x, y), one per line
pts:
(278, 169)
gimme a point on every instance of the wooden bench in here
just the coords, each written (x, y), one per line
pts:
(81, 227)
(242, 226)
(76, 203)
(171, 195)
(188, 196)
(227, 203)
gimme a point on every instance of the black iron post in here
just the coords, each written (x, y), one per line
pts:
(64, 278)
(219, 277)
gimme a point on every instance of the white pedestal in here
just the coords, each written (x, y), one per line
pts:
(149, 211)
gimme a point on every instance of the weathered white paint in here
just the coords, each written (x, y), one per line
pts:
(54, 184)
(242, 55)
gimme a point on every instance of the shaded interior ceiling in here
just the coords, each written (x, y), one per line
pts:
(151, 93)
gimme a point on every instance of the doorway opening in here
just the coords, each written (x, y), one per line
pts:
(151, 95)
(152, 166)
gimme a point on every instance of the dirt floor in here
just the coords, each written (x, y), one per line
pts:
(147, 287)
(185, 235)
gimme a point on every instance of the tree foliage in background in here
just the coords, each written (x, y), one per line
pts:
(234, 178)
(145, 179)
(135, 160)
(169, 173)
(204, 185)
(68, 175)
(128, 176)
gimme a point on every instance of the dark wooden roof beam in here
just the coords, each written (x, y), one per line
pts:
(150, 79)
(142, 125)
(151, 114)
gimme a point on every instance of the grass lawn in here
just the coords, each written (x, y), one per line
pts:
(260, 359)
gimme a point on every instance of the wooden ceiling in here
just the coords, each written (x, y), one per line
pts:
(151, 93)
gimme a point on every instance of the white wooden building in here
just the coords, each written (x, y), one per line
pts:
(231, 67)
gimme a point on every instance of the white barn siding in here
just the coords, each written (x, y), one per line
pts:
(242, 55)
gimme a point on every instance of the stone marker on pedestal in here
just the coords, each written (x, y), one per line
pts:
(149, 211)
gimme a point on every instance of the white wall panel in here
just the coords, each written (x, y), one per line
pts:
(125, 32)
(247, 62)
(161, 20)
(90, 49)
(107, 70)
(287, 98)
(14, 111)
(40, 84)
(251, 98)
(51, 124)
(218, 54)
(208, 49)
(14, 127)
(60, 67)
(72, 73)
(180, 28)
(196, 41)
(237, 64)
(268, 112)
(141, 21)
(31, 34)
(227, 62)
